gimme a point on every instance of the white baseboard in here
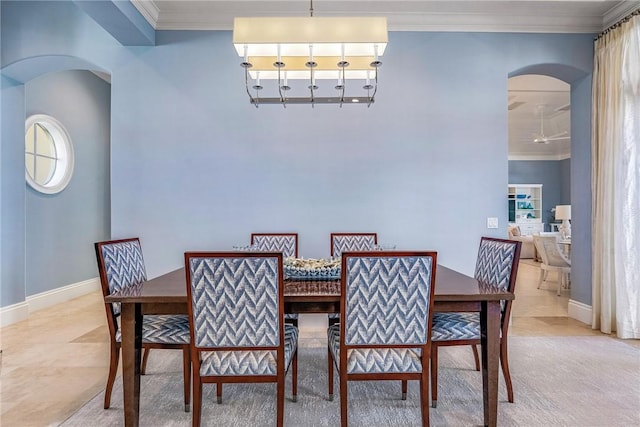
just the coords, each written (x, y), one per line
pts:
(13, 313)
(579, 311)
(20, 311)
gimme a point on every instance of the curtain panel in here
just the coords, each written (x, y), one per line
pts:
(616, 181)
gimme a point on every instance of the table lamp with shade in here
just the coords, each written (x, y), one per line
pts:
(563, 212)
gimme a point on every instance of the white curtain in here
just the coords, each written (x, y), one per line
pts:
(615, 150)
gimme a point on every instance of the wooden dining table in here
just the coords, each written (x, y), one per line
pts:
(167, 294)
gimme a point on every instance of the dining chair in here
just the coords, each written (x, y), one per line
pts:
(121, 266)
(553, 259)
(287, 243)
(496, 265)
(385, 331)
(344, 242)
(236, 306)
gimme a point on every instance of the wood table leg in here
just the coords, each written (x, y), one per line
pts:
(490, 339)
(131, 326)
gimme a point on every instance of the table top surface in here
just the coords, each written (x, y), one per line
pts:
(171, 288)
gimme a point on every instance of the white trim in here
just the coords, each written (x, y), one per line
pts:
(579, 311)
(619, 11)
(20, 311)
(64, 161)
(555, 157)
(13, 313)
(465, 16)
(149, 10)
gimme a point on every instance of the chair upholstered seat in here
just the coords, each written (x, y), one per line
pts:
(375, 360)
(249, 362)
(163, 329)
(455, 326)
(384, 332)
(121, 267)
(497, 266)
(238, 333)
(552, 260)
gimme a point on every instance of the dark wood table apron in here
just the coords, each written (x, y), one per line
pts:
(166, 294)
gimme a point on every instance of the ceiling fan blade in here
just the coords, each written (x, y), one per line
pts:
(557, 138)
(543, 139)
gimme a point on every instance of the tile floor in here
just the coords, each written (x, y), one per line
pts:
(55, 361)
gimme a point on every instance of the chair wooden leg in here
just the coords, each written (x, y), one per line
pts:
(145, 358)
(114, 357)
(434, 375)
(197, 400)
(330, 372)
(186, 366)
(560, 281)
(294, 376)
(424, 395)
(280, 401)
(404, 389)
(344, 421)
(541, 279)
(475, 356)
(219, 392)
(504, 363)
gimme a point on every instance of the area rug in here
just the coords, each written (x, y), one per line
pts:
(558, 381)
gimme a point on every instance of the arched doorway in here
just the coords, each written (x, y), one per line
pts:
(51, 230)
(579, 178)
(539, 162)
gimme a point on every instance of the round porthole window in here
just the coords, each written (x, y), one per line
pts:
(48, 154)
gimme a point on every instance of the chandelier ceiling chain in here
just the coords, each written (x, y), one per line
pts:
(312, 49)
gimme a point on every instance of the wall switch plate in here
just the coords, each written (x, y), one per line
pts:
(492, 222)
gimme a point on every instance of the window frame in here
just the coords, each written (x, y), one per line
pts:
(64, 158)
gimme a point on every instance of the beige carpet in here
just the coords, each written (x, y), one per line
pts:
(558, 381)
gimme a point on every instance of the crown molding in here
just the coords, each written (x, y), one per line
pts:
(149, 10)
(463, 16)
(618, 12)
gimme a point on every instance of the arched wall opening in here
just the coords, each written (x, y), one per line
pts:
(45, 260)
(580, 180)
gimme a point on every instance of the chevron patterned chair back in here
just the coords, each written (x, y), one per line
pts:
(236, 307)
(287, 243)
(121, 266)
(345, 242)
(496, 265)
(387, 307)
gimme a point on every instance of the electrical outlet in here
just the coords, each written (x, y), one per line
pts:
(492, 222)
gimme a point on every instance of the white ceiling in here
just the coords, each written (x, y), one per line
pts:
(533, 98)
(528, 94)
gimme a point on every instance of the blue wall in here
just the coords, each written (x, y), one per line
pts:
(554, 175)
(61, 228)
(12, 184)
(195, 166)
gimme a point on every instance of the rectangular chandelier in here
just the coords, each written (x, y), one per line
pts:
(338, 51)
